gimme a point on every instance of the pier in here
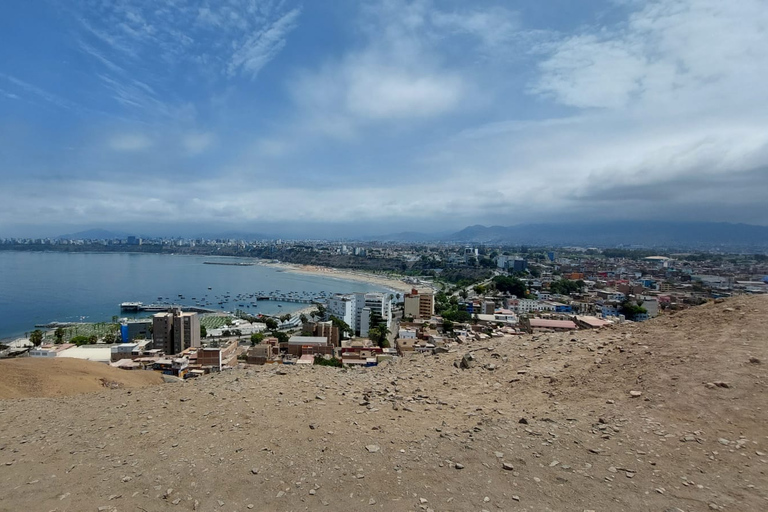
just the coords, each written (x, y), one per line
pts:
(156, 308)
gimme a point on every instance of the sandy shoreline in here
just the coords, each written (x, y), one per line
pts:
(390, 283)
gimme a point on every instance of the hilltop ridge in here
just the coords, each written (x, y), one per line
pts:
(665, 415)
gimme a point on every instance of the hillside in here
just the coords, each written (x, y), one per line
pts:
(38, 377)
(537, 423)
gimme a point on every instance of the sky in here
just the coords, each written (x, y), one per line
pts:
(357, 117)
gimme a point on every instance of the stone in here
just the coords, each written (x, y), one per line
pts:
(754, 360)
(372, 448)
(459, 466)
(371, 501)
(523, 421)
(507, 467)
(255, 471)
(722, 384)
(635, 394)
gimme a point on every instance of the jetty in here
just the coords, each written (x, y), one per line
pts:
(156, 308)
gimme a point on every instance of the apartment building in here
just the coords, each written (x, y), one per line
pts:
(174, 331)
(419, 305)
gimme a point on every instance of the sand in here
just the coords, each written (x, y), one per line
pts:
(391, 283)
(34, 377)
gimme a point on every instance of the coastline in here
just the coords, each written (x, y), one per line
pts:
(391, 283)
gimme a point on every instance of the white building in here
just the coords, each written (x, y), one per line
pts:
(365, 305)
(342, 306)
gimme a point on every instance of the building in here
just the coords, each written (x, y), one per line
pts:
(343, 307)
(133, 330)
(301, 345)
(368, 304)
(175, 331)
(328, 331)
(419, 305)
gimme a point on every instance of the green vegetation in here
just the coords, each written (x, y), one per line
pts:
(332, 361)
(257, 338)
(36, 337)
(203, 331)
(631, 309)
(379, 331)
(271, 323)
(214, 322)
(513, 285)
(281, 336)
(344, 328)
(566, 286)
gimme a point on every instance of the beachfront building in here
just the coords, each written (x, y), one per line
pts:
(419, 305)
(356, 308)
(175, 331)
(342, 306)
(367, 304)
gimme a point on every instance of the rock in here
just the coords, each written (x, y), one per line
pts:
(635, 394)
(754, 360)
(372, 448)
(499, 455)
(467, 362)
(312, 492)
(507, 467)
(255, 471)
(722, 384)
(280, 494)
(523, 421)
(371, 501)
(459, 466)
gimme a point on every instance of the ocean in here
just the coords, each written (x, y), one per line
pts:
(44, 287)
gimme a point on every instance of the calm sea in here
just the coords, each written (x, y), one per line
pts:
(38, 288)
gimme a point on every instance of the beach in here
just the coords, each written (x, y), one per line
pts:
(392, 283)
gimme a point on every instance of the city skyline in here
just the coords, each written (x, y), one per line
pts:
(389, 116)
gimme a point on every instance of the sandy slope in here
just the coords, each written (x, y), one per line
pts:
(38, 377)
(422, 434)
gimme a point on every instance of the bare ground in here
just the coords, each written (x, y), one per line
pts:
(421, 434)
(31, 377)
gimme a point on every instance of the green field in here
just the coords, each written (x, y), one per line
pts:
(215, 321)
(84, 329)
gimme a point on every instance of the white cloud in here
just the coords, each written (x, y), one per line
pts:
(260, 47)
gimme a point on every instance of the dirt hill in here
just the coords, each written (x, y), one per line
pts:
(30, 377)
(667, 415)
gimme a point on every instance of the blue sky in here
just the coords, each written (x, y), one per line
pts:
(354, 117)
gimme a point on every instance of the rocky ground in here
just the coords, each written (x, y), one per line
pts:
(667, 415)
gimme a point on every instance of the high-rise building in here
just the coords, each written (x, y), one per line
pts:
(175, 331)
(365, 305)
(419, 305)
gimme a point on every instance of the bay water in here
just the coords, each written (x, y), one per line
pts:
(44, 287)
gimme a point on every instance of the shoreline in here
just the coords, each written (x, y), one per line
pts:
(392, 283)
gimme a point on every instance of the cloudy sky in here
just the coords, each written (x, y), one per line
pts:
(351, 117)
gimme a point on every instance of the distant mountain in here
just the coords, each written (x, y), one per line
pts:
(629, 233)
(93, 234)
(405, 236)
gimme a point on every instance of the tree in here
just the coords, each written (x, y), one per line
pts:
(340, 324)
(631, 309)
(59, 335)
(110, 338)
(271, 323)
(257, 338)
(281, 336)
(92, 339)
(378, 334)
(303, 318)
(203, 331)
(36, 338)
(511, 285)
(447, 326)
(285, 317)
